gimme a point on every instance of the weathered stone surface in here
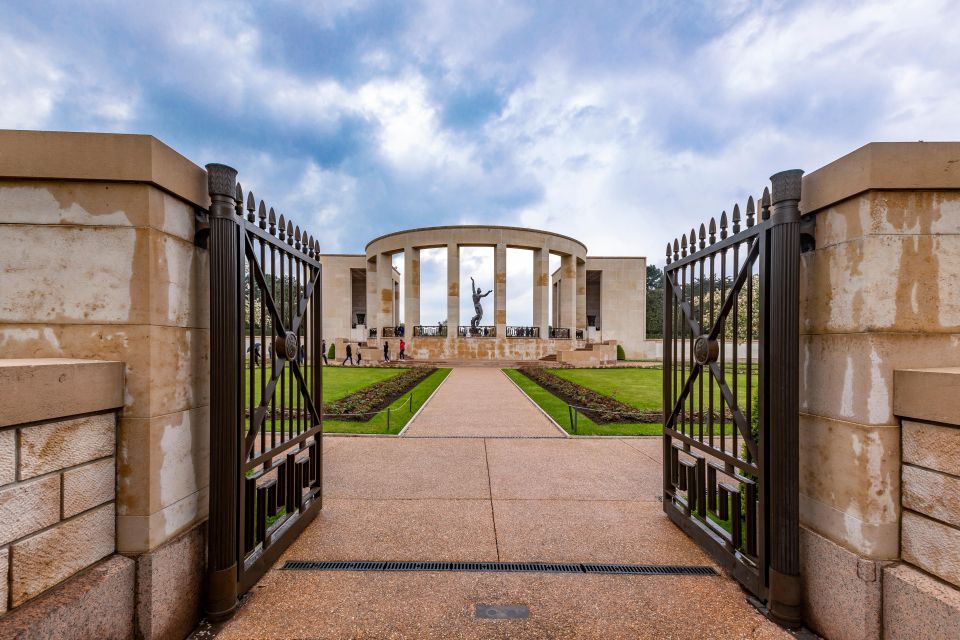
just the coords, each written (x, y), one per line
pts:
(932, 546)
(57, 387)
(932, 446)
(166, 368)
(841, 591)
(88, 486)
(162, 460)
(4, 577)
(169, 587)
(41, 561)
(137, 534)
(850, 484)
(8, 456)
(97, 603)
(918, 606)
(28, 506)
(56, 445)
(928, 395)
(850, 376)
(931, 493)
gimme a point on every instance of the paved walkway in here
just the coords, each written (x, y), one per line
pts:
(493, 499)
(481, 402)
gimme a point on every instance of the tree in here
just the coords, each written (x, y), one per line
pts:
(654, 277)
(654, 301)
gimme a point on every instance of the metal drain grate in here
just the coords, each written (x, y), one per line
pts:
(504, 567)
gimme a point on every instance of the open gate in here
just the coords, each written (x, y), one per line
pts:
(265, 388)
(730, 393)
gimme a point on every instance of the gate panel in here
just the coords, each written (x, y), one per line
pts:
(730, 392)
(265, 390)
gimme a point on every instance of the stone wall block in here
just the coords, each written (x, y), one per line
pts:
(8, 456)
(932, 546)
(931, 493)
(56, 445)
(918, 606)
(88, 486)
(929, 395)
(43, 560)
(932, 446)
(169, 587)
(4, 577)
(28, 506)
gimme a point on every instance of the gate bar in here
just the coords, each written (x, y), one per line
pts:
(226, 258)
(782, 400)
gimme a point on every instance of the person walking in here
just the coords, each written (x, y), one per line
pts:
(349, 357)
(323, 348)
(403, 348)
(359, 355)
(386, 351)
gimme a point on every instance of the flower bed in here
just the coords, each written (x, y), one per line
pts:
(362, 405)
(596, 406)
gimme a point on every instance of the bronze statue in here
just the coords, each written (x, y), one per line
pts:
(475, 321)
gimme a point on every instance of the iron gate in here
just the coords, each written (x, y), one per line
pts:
(265, 388)
(730, 393)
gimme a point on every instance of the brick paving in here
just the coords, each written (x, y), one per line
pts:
(493, 499)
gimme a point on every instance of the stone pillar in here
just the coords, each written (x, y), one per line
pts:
(384, 292)
(373, 297)
(541, 290)
(453, 289)
(411, 289)
(876, 294)
(568, 292)
(500, 288)
(582, 295)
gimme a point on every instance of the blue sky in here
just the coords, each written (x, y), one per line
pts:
(619, 123)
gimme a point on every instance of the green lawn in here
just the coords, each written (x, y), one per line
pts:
(338, 382)
(400, 411)
(557, 409)
(638, 387)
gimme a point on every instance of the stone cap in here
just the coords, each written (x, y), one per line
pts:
(48, 388)
(927, 394)
(883, 165)
(108, 157)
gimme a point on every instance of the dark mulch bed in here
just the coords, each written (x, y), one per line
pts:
(361, 405)
(596, 406)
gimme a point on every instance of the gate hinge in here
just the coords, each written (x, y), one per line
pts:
(201, 228)
(808, 239)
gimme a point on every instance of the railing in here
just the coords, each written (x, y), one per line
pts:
(579, 334)
(372, 333)
(430, 331)
(523, 332)
(389, 332)
(561, 333)
(487, 331)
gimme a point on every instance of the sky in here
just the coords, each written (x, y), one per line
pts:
(622, 124)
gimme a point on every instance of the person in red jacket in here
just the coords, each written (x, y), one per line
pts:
(403, 346)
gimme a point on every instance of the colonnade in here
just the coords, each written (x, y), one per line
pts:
(572, 285)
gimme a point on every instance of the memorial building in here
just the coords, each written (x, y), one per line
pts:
(581, 312)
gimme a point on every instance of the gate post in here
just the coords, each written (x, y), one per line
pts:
(782, 400)
(226, 260)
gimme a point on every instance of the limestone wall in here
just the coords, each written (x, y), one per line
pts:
(100, 263)
(880, 292)
(57, 471)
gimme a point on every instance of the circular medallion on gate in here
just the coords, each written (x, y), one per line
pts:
(705, 350)
(286, 346)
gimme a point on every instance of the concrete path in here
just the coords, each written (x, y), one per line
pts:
(480, 402)
(493, 499)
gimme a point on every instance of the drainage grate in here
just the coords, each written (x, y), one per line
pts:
(504, 567)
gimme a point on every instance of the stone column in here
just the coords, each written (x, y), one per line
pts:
(373, 299)
(500, 288)
(541, 290)
(384, 291)
(568, 292)
(582, 295)
(453, 289)
(411, 289)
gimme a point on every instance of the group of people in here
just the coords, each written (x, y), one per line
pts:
(348, 358)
